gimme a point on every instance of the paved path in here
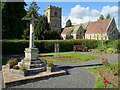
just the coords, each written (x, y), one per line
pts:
(79, 76)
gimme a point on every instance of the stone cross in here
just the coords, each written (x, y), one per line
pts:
(32, 61)
(31, 43)
(32, 18)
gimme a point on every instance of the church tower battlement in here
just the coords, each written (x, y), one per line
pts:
(53, 14)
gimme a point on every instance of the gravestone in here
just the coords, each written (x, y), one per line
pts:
(56, 49)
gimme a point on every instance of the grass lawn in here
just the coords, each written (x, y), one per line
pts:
(67, 57)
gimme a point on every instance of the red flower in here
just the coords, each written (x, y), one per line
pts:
(105, 81)
(103, 59)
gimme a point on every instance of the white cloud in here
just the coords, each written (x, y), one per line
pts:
(112, 10)
(80, 14)
(64, 19)
(107, 9)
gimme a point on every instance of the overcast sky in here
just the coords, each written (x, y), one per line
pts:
(82, 12)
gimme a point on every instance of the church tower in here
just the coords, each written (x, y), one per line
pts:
(53, 14)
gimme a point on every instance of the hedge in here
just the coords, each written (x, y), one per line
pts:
(18, 46)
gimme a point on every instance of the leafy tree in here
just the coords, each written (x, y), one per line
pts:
(12, 24)
(26, 33)
(68, 23)
(101, 17)
(53, 35)
(42, 28)
(32, 10)
(108, 16)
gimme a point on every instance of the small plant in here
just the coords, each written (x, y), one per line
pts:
(114, 69)
(12, 62)
(23, 68)
(111, 50)
(16, 67)
(50, 64)
(102, 48)
(106, 63)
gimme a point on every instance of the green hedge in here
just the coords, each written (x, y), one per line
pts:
(18, 46)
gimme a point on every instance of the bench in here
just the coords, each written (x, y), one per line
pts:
(80, 48)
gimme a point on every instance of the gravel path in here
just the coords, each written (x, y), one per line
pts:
(78, 78)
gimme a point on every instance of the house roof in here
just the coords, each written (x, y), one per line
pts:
(74, 29)
(67, 30)
(98, 26)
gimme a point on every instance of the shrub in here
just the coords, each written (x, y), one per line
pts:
(111, 50)
(16, 67)
(47, 46)
(102, 48)
(23, 68)
(12, 62)
(115, 69)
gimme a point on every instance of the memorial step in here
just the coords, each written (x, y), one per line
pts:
(36, 70)
(37, 62)
(36, 65)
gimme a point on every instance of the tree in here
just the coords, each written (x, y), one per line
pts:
(32, 10)
(68, 23)
(26, 33)
(101, 17)
(42, 28)
(12, 24)
(108, 16)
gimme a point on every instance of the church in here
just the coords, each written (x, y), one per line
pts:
(97, 30)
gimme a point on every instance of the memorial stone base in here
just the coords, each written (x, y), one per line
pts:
(32, 62)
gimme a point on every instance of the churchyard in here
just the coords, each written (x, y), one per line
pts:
(41, 59)
(87, 66)
(69, 61)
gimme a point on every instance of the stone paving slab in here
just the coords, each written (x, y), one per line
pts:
(13, 80)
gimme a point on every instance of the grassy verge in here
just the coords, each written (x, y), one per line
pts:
(113, 68)
(98, 78)
(67, 57)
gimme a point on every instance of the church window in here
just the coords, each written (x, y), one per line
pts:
(55, 13)
(90, 36)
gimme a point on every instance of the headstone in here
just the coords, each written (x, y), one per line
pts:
(56, 50)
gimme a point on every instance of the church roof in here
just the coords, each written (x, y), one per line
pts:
(91, 27)
(98, 26)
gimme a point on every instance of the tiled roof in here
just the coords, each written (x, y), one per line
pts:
(74, 29)
(98, 26)
(67, 30)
